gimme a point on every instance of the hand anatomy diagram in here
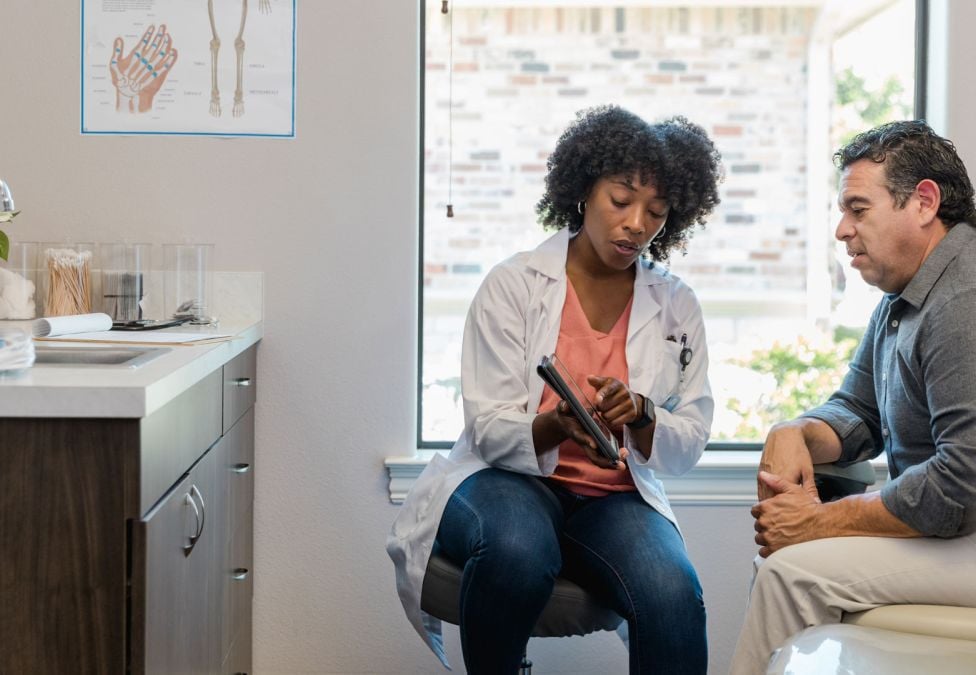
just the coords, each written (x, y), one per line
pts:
(139, 75)
(264, 6)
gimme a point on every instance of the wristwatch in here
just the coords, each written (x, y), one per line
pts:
(647, 415)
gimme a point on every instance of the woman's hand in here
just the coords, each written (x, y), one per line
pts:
(615, 401)
(574, 430)
(618, 406)
(551, 428)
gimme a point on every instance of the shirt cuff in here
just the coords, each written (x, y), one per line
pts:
(857, 442)
(916, 500)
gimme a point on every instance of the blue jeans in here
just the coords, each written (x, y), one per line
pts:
(513, 534)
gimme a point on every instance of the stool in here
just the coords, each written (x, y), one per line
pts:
(570, 611)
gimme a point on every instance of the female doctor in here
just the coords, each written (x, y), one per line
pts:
(524, 495)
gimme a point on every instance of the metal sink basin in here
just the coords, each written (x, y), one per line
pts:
(111, 357)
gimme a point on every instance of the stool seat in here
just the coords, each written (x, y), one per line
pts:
(570, 611)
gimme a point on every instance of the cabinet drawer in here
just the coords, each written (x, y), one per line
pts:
(240, 383)
(238, 580)
(175, 436)
(238, 464)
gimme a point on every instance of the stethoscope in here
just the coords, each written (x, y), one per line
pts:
(684, 360)
(684, 357)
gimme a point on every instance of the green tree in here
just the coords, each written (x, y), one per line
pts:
(805, 375)
(873, 107)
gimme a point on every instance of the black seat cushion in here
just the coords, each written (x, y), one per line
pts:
(570, 611)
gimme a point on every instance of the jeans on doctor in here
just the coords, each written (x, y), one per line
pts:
(513, 534)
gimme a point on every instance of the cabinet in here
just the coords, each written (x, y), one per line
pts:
(126, 545)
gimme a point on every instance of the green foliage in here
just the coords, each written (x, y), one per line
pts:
(805, 374)
(873, 107)
(5, 217)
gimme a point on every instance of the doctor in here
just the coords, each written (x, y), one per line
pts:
(524, 495)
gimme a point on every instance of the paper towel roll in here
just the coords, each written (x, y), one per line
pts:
(75, 323)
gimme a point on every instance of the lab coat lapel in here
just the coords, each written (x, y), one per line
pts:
(645, 306)
(545, 310)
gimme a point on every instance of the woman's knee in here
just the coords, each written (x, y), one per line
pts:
(674, 587)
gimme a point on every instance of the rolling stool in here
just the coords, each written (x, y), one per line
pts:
(570, 610)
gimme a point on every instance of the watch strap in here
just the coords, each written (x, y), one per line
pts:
(647, 414)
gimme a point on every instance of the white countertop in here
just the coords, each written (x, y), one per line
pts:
(113, 391)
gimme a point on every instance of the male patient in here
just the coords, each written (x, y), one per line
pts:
(909, 223)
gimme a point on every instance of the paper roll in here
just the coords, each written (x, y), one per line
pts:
(76, 323)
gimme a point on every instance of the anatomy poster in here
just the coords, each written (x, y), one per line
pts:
(188, 67)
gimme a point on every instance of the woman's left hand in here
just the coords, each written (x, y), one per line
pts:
(616, 402)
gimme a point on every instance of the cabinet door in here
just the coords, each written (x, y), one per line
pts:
(181, 629)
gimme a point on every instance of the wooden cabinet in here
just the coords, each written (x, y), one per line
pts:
(126, 545)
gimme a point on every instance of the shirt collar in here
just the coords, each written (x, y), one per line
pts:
(549, 258)
(957, 238)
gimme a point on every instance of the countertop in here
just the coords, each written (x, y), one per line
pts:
(106, 391)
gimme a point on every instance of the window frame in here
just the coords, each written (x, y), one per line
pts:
(921, 83)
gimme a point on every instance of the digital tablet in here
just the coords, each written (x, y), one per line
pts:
(555, 375)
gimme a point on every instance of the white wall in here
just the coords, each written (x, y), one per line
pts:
(331, 219)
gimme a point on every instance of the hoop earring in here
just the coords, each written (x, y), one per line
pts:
(661, 232)
(580, 206)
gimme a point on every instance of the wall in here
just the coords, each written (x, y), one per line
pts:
(330, 218)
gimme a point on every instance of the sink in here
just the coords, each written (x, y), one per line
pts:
(112, 357)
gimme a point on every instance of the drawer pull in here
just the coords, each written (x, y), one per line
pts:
(241, 382)
(241, 468)
(240, 574)
(201, 517)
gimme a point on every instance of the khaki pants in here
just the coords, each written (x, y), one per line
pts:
(818, 581)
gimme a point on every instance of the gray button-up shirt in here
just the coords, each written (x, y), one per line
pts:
(911, 392)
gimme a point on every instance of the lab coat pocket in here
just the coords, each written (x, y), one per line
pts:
(666, 383)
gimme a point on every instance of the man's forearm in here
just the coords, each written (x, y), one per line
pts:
(821, 440)
(862, 515)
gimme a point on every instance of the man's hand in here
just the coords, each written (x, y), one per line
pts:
(792, 516)
(789, 516)
(786, 455)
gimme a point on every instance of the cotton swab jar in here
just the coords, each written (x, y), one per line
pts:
(68, 280)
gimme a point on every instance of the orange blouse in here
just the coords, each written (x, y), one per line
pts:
(585, 351)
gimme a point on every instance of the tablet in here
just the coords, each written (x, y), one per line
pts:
(555, 375)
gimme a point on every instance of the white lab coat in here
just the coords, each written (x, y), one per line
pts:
(512, 322)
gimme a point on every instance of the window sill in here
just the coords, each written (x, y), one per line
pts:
(721, 478)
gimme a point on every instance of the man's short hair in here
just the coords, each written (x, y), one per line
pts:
(912, 152)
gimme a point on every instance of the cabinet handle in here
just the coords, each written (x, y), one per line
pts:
(241, 382)
(199, 513)
(240, 574)
(241, 468)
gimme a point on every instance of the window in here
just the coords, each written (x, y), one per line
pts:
(778, 88)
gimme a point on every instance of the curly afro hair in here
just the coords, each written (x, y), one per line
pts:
(675, 155)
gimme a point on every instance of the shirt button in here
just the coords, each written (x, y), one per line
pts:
(884, 432)
(884, 376)
(894, 323)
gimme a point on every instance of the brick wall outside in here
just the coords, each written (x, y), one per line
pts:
(521, 74)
